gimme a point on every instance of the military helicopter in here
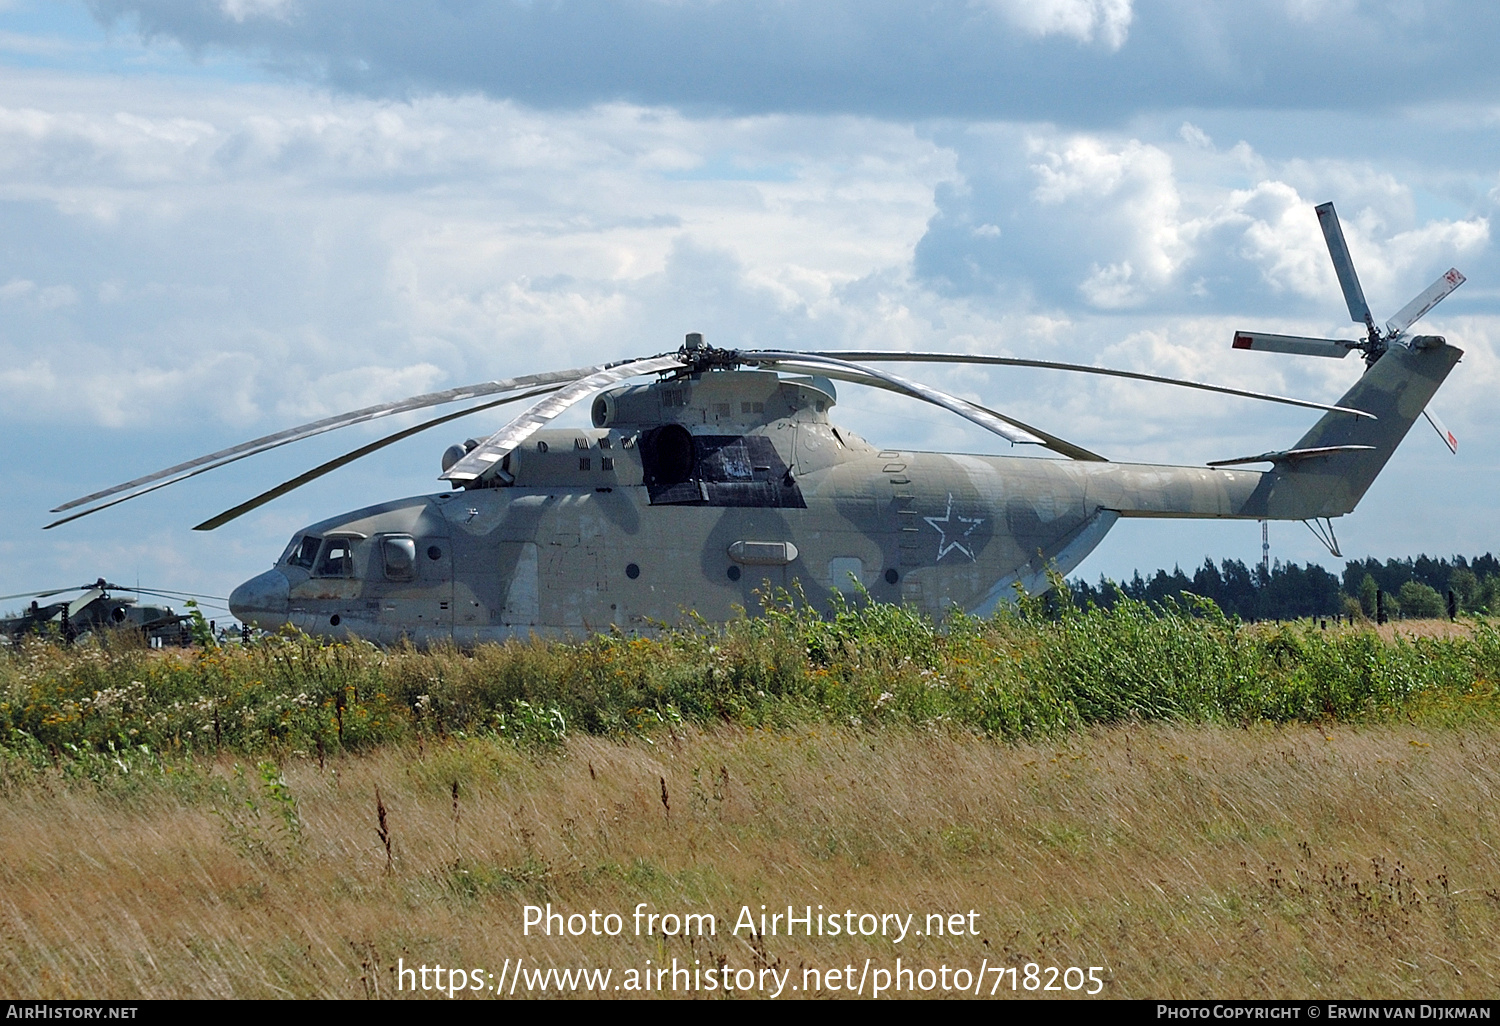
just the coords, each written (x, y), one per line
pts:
(94, 610)
(725, 476)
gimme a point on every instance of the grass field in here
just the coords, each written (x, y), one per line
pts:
(1197, 807)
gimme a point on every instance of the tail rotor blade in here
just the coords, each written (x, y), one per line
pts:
(1429, 298)
(1259, 340)
(1448, 437)
(1343, 266)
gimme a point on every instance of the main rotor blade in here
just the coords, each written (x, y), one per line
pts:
(1448, 437)
(173, 594)
(953, 404)
(349, 457)
(1008, 361)
(295, 434)
(203, 470)
(494, 448)
(37, 594)
(1429, 298)
(1299, 344)
(77, 605)
(1343, 266)
(1058, 445)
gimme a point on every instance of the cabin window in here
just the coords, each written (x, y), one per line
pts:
(399, 554)
(337, 559)
(304, 551)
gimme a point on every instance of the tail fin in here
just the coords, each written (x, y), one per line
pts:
(1396, 390)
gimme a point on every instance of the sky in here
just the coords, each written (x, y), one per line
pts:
(219, 218)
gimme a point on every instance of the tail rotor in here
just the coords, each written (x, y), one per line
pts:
(1376, 342)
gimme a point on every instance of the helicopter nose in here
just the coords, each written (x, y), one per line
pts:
(261, 600)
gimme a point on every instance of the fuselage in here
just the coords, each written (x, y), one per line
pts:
(704, 496)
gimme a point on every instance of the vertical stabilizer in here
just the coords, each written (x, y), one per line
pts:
(1396, 389)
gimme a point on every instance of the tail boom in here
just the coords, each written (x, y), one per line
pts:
(1324, 474)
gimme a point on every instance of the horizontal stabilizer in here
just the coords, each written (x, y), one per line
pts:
(1292, 455)
(1301, 345)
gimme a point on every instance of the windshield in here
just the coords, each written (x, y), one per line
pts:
(302, 552)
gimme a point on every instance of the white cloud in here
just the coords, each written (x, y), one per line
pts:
(241, 10)
(1083, 20)
(1125, 194)
(1195, 136)
(16, 288)
(303, 254)
(1120, 223)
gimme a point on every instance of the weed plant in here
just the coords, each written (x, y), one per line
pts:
(1037, 668)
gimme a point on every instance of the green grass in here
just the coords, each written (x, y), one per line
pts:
(1024, 674)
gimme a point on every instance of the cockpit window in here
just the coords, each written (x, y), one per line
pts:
(303, 551)
(338, 558)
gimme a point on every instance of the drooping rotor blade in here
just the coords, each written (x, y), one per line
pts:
(36, 594)
(1429, 298)
(953, 404)
(1343, 266)
(156, 593)
(238, 452)
(493, 449)
(1009, 361)
(1448, 437)
(1302, 346)
(77, 605)
(349, 457)
(132, 495)
(203, 470)
(1058, 445)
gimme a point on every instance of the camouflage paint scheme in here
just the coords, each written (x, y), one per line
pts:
(560, 549)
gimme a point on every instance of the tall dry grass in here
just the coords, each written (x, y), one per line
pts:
(1286, 861)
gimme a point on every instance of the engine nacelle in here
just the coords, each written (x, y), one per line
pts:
(454, 453)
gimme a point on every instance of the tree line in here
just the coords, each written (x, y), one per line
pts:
(1411, 588)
